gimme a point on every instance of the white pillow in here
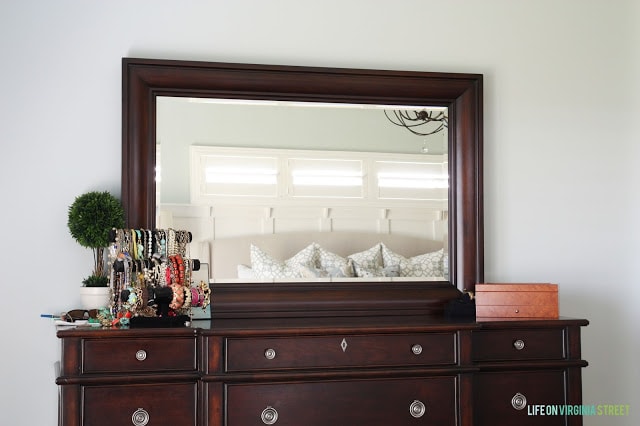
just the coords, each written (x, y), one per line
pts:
(245, 271)
(424, 265)
(264, 266)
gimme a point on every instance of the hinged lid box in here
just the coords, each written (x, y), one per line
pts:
(516, 300)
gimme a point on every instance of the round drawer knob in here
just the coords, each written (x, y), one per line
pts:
(519, 401)
(417, 409)
(140, 417)
(518, 344)
(416, 349)
(141, 355)
(269, 416)
(270, 353)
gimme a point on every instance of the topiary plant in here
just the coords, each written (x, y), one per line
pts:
(91, 217)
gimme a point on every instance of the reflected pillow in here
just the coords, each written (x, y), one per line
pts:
(424, 265)
(368, 263)
(312, 272)
(335, 265)
(379, 271)
(245, 271)
(265, 266)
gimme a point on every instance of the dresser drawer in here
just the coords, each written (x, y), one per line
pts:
(139, 355)
(168, 404)
(251, 354)
(505, 399)
(397, 402)
(515, 344)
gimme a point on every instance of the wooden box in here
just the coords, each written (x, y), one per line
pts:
(511, 300)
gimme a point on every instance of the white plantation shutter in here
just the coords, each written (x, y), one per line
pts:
(326, 177)
(411, 180)
(221, 174)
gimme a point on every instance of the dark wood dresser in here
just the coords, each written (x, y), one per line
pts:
(322, 371)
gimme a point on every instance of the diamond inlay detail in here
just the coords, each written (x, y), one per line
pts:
(343, 345)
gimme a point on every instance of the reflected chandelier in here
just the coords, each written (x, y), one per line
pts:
(421, 123)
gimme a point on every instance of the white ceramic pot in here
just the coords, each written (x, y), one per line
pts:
(95, 297)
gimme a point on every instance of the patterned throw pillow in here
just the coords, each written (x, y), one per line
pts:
(368, 263)
(335, 265)
(378, 271)
(264, 266)
(424, 265)
(312, 272)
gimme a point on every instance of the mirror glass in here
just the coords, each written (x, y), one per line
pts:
(401, 174)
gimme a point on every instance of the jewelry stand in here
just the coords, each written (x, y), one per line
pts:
(151, 279)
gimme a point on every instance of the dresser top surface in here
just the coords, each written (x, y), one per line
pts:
(293, 326)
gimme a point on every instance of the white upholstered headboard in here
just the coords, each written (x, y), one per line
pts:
(227, 253)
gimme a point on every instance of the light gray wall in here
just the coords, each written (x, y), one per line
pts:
(561, 78)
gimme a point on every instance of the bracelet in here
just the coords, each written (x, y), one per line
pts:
(183, 239)
(134, 244)
(195, 297)
(205, 291)
(140, 245)
(178, 297)
(161, 242)
(149, 243)
(162, 275)
(171, 242)
(168, 274)
(187, 297)
(180, 269)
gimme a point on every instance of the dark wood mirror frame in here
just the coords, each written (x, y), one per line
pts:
(145, 79)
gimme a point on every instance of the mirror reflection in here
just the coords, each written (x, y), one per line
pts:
(269, 188)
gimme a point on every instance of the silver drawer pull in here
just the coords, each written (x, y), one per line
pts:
(417, 409)
(269, 416)
(416, 349)
(270, 353)
(518, 344)
(519, 401)
(141, 355)
(140, 417)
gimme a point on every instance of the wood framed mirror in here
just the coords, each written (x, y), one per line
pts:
(146, 79)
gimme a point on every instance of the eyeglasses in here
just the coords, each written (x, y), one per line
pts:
(79, 314)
